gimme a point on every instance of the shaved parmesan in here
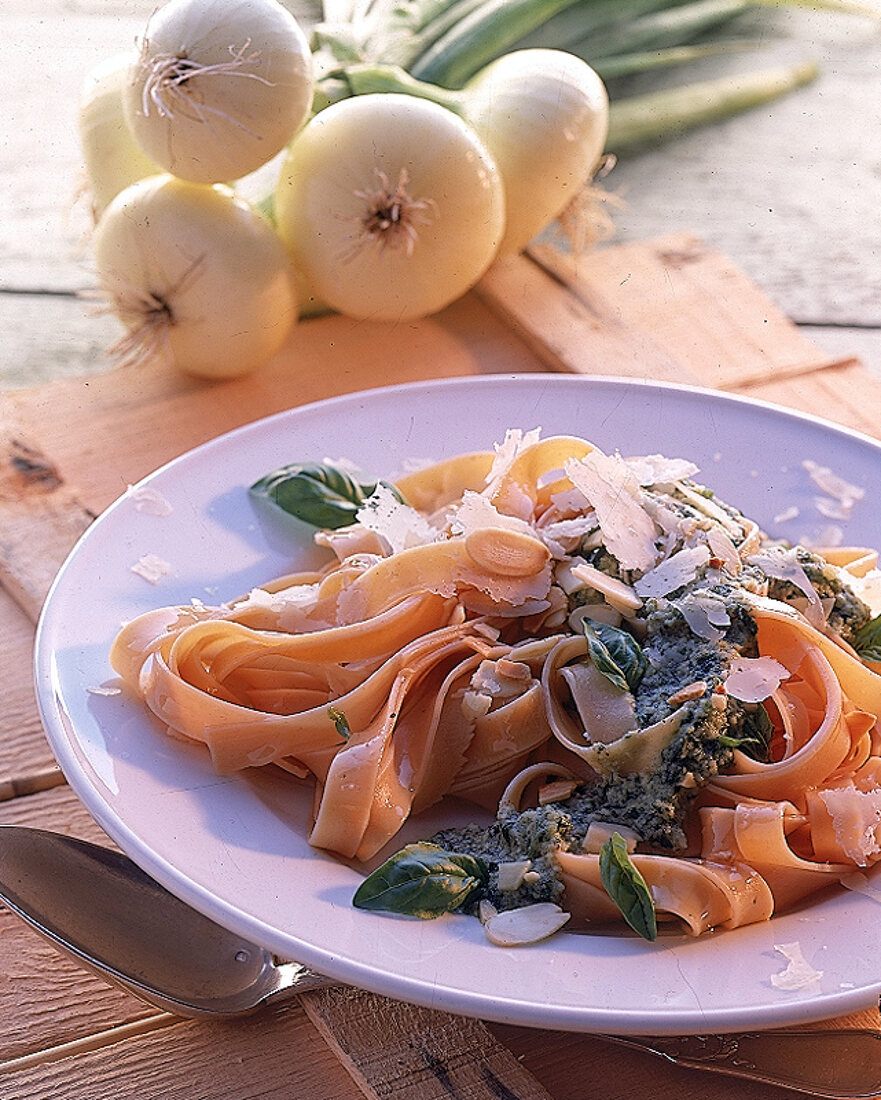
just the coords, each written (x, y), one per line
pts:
(679, 569)
(477, 511)
(752, 679)
(782, 563)
(705, 614)
(612, 488)
(400, 525)
(834, 486)
(151, 567)
(566, 535)
(798, 972)
(723, 548)
(515, 442)
(149, 501)
(856, 819)
(792, 512)
(659, 470)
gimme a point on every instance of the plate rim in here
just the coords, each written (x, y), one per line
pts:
(676, 1021)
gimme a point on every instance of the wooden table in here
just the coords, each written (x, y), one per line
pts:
(670, 306)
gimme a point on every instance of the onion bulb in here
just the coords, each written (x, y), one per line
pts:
(544, 116)
(390, 205)
(113, 159)
(219, 87)
(195, 274)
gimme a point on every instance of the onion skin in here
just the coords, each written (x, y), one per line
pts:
(342, 157)
(544, 116)
(195, 273)
(221, 126)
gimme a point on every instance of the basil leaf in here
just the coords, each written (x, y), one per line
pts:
(319, 494)
(755, 740)
(867, 640)
(616, 654)
(627, 888)
(340, 721)
(422, 880)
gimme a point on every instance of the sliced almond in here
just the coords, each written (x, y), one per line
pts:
(686, 694)
(507, 553)
(485, 910)
(620, 595)
(557, 791)
(532, 923)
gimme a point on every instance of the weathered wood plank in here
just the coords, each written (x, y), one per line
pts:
(431, 1054)
(670, 309)
(275, 1054)
(117, 427)
(23, 748)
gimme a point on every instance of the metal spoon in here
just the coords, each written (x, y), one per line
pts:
(98, 907)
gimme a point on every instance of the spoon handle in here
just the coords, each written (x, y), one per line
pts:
(827, 1063)
(294, 978)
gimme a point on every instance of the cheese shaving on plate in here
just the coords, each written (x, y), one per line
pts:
(151, 567)
(798, 973)
(149, 501)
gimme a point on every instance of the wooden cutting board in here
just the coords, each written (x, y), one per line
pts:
(667, 309)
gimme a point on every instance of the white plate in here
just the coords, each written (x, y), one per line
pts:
(234, 847)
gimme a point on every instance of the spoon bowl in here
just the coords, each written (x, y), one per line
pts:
(99, 907)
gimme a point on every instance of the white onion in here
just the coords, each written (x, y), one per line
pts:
(544, 116)
(195, 274)
(113, 159)
(391, 206)
(219, 88)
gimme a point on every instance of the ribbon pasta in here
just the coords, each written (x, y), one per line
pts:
(445, 656)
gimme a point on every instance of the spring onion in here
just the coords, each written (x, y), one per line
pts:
(112, 158)
(391, 205)
(195, 275)
(219, 87)
(542, 114)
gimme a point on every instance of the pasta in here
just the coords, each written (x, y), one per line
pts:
(644, 689)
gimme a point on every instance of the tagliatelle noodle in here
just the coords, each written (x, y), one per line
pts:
(440, 484)
(702, 893)
(374, 780)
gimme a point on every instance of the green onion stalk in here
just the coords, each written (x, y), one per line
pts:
(433, 48)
